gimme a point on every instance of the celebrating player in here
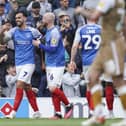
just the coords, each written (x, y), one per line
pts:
(24, 61)
(55, 64)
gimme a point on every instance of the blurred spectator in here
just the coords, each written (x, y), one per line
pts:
(72, 3)
(7, 6)
(67, 31)
(65, 8)
(6, 25)
(44, 6)
(10, 78)
(70, 83)
(3, 15)
(11, 15)
(35, 17)
(3, 59)
(23, 3)
(6, 55)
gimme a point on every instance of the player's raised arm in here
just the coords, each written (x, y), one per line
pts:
(101, 8)
(92, 16)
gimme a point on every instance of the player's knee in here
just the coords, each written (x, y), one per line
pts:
(52, 88)
(121, 90)
(93, 79)
(20, 84)
(110, 67)
(27, 87)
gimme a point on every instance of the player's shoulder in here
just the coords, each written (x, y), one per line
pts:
(55, 30)
(13, 30)
(31, 28)
(97, 26)
(81, 28)
(90, 26)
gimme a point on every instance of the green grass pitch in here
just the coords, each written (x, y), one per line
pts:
(47, 122)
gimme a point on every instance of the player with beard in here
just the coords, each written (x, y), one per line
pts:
(55, 64)
(23, 36)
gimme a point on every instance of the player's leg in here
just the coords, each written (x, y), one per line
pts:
(123, 122)
(90, 101)
(54, 77)
(19, 93)
(95, 72)
(109, 94)
(29, 69)
(88, 92)
(32, 100)
(96, 91)
(24, 74)
(121, 90)
(119, 80)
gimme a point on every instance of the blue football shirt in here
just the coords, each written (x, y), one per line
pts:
(24, 49)
(89, 36)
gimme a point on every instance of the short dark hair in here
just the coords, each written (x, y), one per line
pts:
(36, 4)
(6, 21)
(23, 11)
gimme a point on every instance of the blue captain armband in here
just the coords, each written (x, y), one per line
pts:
(47, 48)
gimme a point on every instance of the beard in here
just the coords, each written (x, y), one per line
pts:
(19, 23)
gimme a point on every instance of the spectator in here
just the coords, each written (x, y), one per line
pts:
(3, 15)
(11, 15)
(70, 83)
(7, 6)
(11, 79)
(23, 3)
(10, 45)
(44, 6)
(6, 54)
(67, 31)
(72, 3)
(35, 17)
(65, 8)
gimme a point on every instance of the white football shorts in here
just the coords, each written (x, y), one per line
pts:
(24, 72)
(54, 75)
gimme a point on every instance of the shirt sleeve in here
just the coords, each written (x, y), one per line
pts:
(104, 5)
(9, 34)
(55, 37)
(36, 34)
